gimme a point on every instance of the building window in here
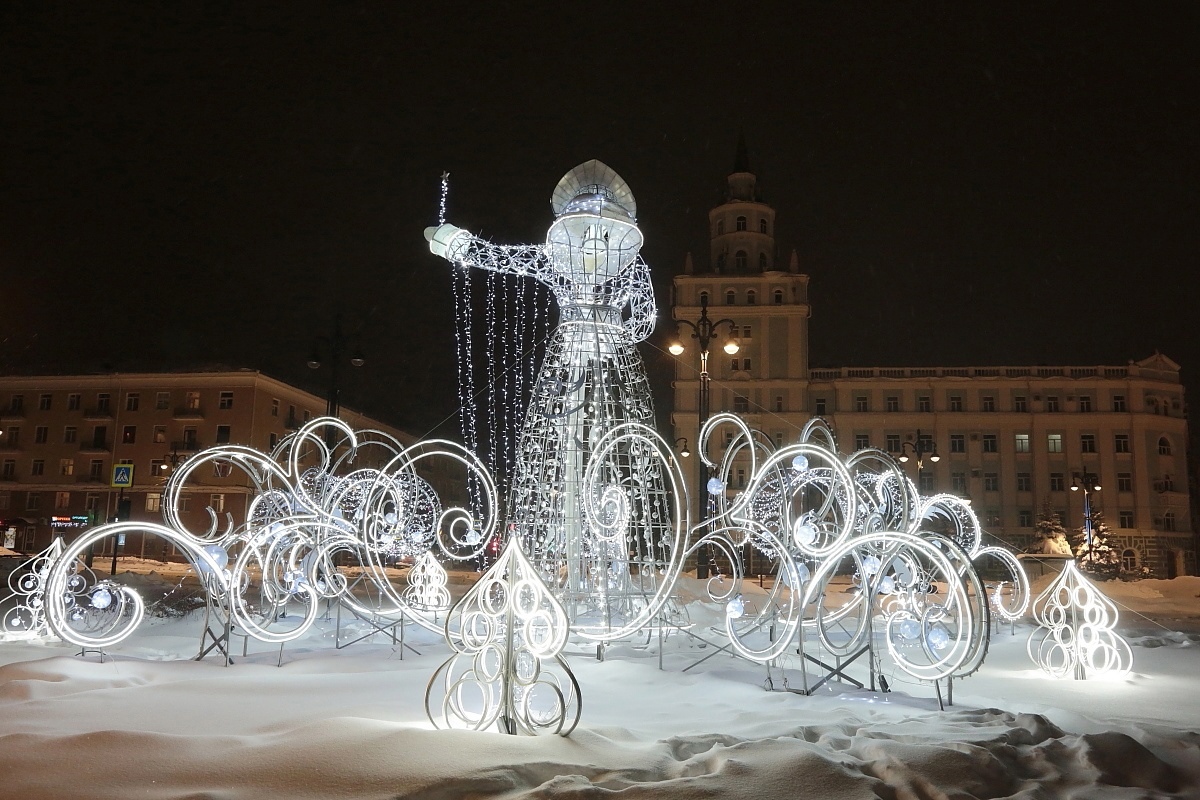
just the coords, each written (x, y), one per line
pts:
(16, 402)
(1021, 442)
(1025, 518)
(216, 502)
(958, 443)
(273, 440)
(1052, 403)
(103, 401)
(158, 468)
(762, 225)
(862, 441)
(275, 402)
(991, 482)
(925, 442)
(132, 401)
(70, 434)
(925, 482)
(226, 400)
(1053, 442)
(730, 297)
(1118, 402)
(33, 501)
(44, 402)
(73, 402)
(1168, 521)
(1087, 442)
(892, 442)
(185, 502)
(992, 518)
(893, 403)
(62, 499)
(1023, 481)
(745, 365)
(720, 227)
(751, 297)
(1164, 446)
(1129, 560)
(91, 501)
(740, 479)
(956, 402)
(741, 404)
(777, 296)
(9, 470)
(1124, 481)
(728, 438)
(1125, 519)
(129, 434)
(13, 437)
(991, 443)
(162, 401)
(1056, 481)
(734, 364)
(160, 434)
(66, 466)
(96, 469)
(1121, 443)
(5, 499)
(987, 403)
(924, 404)
(779, 402)
(820, 407)
(739, 261)
(222, 434)
(1085, 403)
(192, 401)
(861, 403)
(958, 482)
(740, 223)
(41, 433)
(37, 467)
(189, 438)
(762, 262)
(1019, 404)
(721, 262)
(1167, 484)
(153, 501)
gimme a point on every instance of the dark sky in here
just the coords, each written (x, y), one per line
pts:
(211, 184)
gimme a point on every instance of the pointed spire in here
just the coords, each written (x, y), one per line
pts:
(794, 262)
(688, 268)
(741, 161)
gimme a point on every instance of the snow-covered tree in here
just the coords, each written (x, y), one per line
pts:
(1098, 558)
(1051, 536)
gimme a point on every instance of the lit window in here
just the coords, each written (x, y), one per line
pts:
(192, 402)
(216, 502)
(160, 434)
(129, 434)
(66, 466)
(62, 500)
(153, 501)
(1054, 443)
(1021, 442)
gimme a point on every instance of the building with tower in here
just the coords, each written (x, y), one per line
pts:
(1015, 439)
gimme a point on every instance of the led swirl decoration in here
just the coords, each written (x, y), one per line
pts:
(1075, 635)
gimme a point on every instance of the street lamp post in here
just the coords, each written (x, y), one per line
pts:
(923, 448)
(703, 331)
(335, 344)
(1089, 482)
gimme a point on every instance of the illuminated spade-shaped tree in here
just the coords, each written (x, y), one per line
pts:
(427, 585)
(507, 670)
(24, 613)
(1075, 634)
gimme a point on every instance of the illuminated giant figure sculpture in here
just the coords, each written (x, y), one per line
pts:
(591, 381)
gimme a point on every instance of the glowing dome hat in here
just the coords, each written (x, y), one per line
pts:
(595, 230)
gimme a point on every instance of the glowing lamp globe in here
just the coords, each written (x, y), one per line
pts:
(675, 348)
(800, 463)
(715, 486)
(732, 347)
(735, 608)
(101, 598)
(938, 637)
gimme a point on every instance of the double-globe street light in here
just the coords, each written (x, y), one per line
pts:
(703, 331)
(336, 346)
(1089, 482)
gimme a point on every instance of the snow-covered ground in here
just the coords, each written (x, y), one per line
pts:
(350, 723)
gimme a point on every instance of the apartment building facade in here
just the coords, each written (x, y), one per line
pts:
(1011, 438)
(62, 435)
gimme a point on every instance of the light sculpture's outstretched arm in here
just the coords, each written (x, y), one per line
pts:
(461, 247)
(642, 308)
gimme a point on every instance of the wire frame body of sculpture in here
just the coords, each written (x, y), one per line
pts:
(591, 381)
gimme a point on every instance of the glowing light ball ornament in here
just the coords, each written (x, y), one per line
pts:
(1075, 636)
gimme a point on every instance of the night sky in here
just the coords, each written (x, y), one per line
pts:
(200, 185)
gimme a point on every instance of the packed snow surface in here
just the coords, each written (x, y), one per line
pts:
(350, 723)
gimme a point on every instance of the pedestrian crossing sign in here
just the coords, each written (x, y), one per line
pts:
(122, 476)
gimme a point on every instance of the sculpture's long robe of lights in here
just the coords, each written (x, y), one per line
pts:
(591, 381)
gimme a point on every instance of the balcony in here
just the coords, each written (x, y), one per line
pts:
(187, 412)
(187, 445)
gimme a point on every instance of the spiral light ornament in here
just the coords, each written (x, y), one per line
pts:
(1075, 635)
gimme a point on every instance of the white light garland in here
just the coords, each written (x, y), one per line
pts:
(1076, 636)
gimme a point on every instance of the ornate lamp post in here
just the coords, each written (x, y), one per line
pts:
(921, 449)
(703, 331)
(335, 344)
(1089, 482)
